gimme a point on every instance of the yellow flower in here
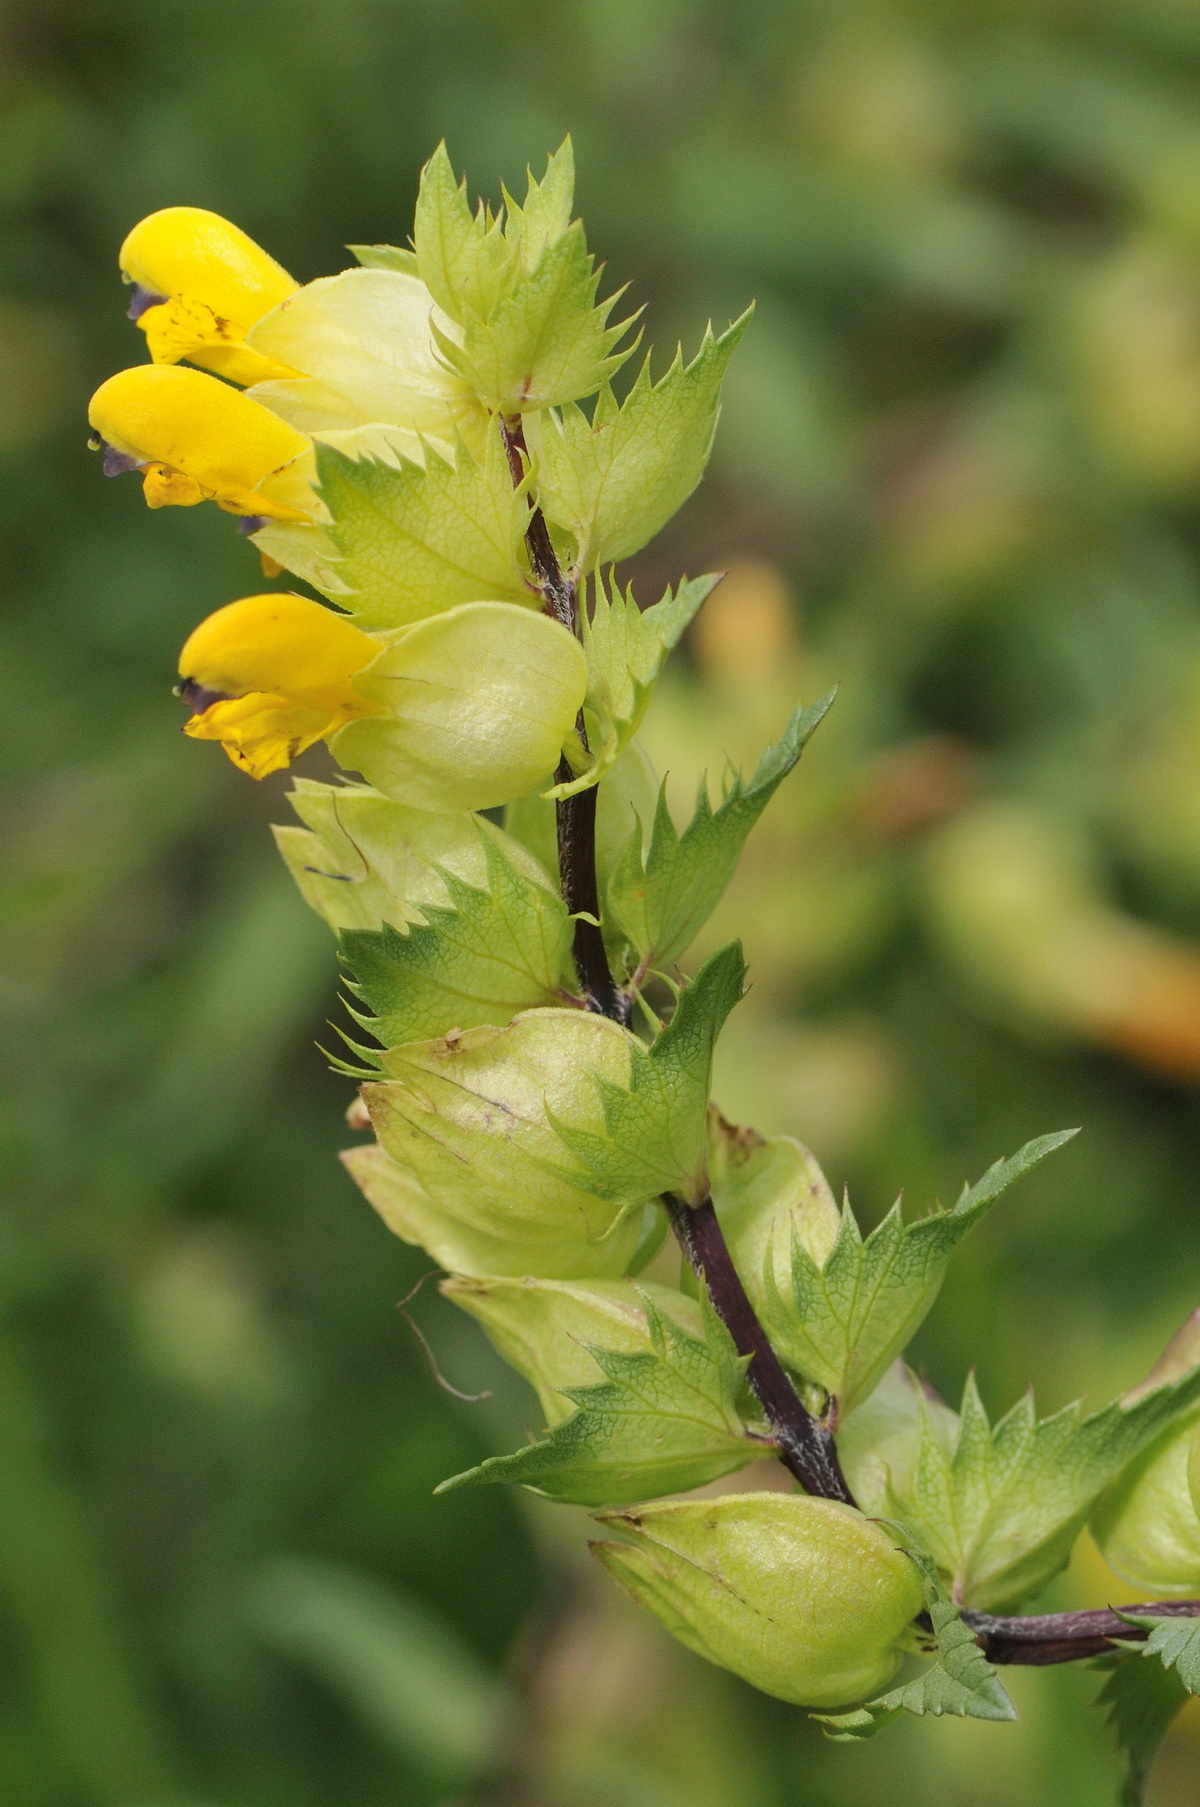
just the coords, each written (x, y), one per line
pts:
(195, 439)
(200, 284)
(269, 675)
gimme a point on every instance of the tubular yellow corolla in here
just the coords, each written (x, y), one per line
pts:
(269, 675)
(200, 284)
(195, 439)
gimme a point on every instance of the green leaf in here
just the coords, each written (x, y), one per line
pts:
(961, 1683)
(626, 648)
(654, 1137)
(1001, 1510)
(842, 1322)
(386, 257)
(523, 295)
(660, 900)
(492, 951)
(1140, 1701)
(614, 480)
(664, 1420)
(1176, 1642)
(416, 540)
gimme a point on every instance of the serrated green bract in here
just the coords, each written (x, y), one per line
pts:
(1140, 1701)
(1001, 1510)
(661, 899)
(386, 257)
(416, 539)
(962, 1682)
(545, 1329)
(841, 1322)
(614, 480)
(654, 1136)
(363, 859)
(626, 648)
(490, 951)
(664, 1419)
(523, 292)
(1175, 1642)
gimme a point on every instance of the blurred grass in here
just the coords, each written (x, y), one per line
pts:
(958, 472)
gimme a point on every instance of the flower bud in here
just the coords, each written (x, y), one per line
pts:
(1147, 1525)
(195, 439)
(477, 1173)
(543, 1328)
(200, 283)
(804, 1598)
(269, 675)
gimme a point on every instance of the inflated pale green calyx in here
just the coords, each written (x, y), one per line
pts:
(473, 1121)
(879, 1443)
(477, 704)
(457, 1245)
(543, 1328)
(362, 859)
(804, 1598)
(765, 1192)
(1147, 1525)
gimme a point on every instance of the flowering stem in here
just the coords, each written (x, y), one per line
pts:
(1066, 1637)
(576, 816)
(806, 1448)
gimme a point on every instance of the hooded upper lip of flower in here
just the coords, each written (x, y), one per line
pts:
(269, 675)
(197, 439)
(200, 283)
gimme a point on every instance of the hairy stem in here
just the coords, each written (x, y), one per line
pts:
(806, 1448)
(1066, 1637)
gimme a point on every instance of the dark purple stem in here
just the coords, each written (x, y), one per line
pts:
(806, 1448)
(1066, 1637)
(576, 816)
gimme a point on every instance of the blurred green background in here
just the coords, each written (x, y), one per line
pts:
(959, 472)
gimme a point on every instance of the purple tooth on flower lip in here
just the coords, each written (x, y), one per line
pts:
(140, 300)
(197, 697)
(253, 523)
(117, 463)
